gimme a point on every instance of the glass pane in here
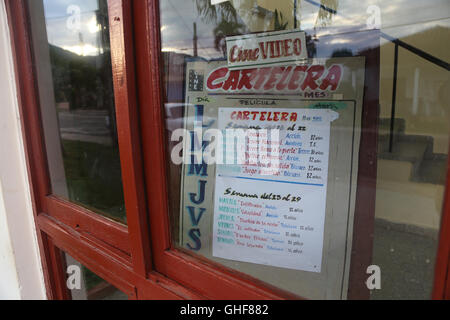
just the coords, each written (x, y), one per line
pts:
(86, 285)
(279, 205)
(71, 46)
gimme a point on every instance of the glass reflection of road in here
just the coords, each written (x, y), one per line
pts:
(86, 126)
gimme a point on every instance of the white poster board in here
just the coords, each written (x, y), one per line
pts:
(305, 242)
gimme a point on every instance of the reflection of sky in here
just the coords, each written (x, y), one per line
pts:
(399, 18)
(177, 21)
(83, 40)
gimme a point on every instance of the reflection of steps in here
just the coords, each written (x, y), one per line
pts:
(426, 166)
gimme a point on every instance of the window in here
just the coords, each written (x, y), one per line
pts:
(270, 149)
(77, 103)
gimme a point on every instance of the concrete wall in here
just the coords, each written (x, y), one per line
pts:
(21, 274)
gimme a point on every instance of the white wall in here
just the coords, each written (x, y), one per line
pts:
(21, 274)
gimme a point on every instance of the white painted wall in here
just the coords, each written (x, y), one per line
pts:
(21, 274)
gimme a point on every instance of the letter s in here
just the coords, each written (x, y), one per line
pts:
(195, 235)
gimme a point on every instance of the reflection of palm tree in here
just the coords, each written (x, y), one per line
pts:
(328, 8)
(214, 13)
(225, 17)
(224, 29)
(279, 23)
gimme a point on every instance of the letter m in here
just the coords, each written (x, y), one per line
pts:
(198, 169)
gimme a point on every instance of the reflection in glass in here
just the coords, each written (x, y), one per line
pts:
(89, 286)
(414, 115)
(71, 44)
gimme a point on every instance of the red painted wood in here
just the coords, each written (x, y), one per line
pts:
(59, 272)
(146, 22)
(98, 261)
(87, 221)
(122, 55)
(31, 129)
(441, 286)
(447, 289)
(364, 221)
(112, 270)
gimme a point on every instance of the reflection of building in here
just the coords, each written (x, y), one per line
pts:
(413, 155)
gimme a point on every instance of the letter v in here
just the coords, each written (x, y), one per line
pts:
(195, 220)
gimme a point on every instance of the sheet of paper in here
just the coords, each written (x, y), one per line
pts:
(270, 208)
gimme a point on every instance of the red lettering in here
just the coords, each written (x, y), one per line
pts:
(272, 50)
(283, 83)
(278, 47)
(333, 78)
(232, 81)
(275, 117)
(214, 76)
(270, 83)
(246, 78)
(263, 47)
(232, 58)
(276, 78)
(297, 46)
(293, 83)
(293, 116)
(261, 77)
(314, 73)
(287, 47)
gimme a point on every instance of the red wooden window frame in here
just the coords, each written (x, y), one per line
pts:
(139, 259)
(120, 254)
(203, 275)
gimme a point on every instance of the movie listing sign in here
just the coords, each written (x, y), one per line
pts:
(271, 208)
(264, 49)
(282, 197)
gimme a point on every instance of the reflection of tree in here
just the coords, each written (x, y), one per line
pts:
(225, 17)
(226, 20)
(344, 52)
(224, 29)
(215, 13)
(328, 8)
(279, 23)
(85, 82)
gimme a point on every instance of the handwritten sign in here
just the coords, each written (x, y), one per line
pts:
(292, 218)
(274, 213)
(266, 49)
